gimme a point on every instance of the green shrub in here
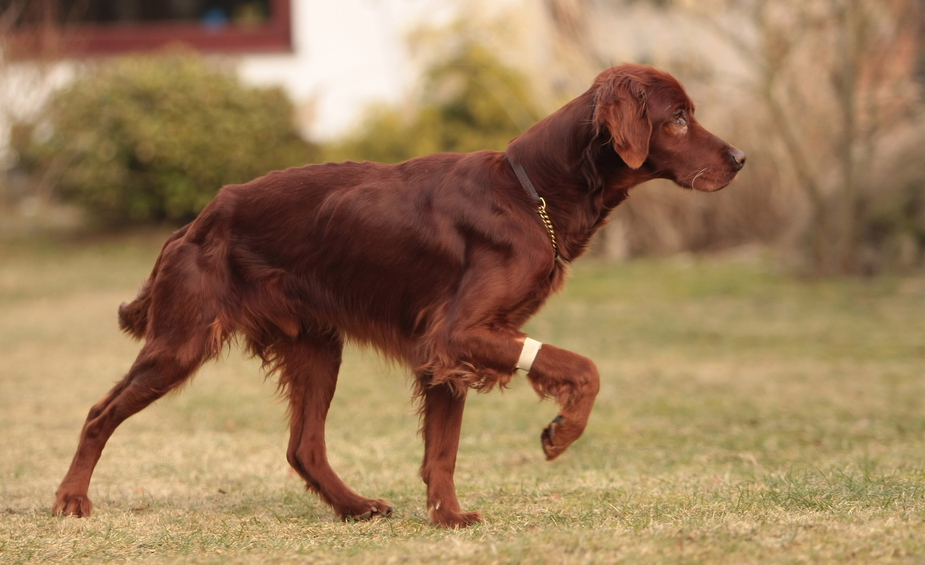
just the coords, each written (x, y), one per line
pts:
(468, 101)
(152, 138)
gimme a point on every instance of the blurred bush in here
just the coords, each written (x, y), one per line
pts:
(469, 101)
(893, 216)
(151, 138)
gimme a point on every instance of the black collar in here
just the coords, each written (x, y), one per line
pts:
(538, 200)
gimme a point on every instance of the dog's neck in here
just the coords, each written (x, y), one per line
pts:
(575, 169)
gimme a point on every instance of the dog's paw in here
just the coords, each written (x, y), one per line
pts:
(553, 441)
(452, 520)
(370, 510)
(72, 505)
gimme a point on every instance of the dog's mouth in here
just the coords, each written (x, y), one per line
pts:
(715, 188)
(715, 176)
(703, 181)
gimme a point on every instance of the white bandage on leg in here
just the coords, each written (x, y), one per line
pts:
(528, 354)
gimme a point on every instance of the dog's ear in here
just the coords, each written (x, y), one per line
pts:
(621, 108)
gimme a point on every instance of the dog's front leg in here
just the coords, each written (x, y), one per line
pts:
(569, 378)
(443, 412)
(573, 381)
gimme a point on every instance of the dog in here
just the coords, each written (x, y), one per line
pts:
(437, 262)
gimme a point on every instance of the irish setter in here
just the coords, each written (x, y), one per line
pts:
(437, 262)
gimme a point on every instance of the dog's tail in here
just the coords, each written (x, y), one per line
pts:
(133, 316)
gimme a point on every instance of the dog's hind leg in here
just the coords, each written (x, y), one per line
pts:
(180, 337)
(154, 373)
(309, 366)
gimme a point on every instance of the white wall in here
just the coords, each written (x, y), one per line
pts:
(347, 54)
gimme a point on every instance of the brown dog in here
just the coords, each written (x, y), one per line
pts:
(437, 262)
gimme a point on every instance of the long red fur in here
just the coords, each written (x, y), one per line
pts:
(436, 262)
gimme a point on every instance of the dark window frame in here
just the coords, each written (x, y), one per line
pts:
(50, 40)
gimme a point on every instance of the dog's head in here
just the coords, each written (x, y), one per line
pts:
(651, 123)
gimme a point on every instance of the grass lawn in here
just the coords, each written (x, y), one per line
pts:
(745, 417)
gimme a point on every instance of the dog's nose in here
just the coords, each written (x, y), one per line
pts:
(737, 158)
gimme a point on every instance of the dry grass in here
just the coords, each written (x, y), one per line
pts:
(745, 417)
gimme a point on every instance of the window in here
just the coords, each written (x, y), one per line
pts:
(41, 28)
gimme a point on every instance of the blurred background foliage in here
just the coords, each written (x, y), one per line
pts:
(468, 101)
(825, 96)
(150, 138)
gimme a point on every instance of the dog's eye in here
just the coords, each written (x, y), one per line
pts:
(680, 117)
